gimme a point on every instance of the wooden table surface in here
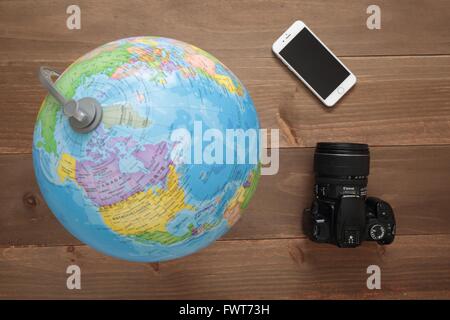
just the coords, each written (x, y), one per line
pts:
(400, 106)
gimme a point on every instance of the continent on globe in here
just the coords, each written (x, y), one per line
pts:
(105, 183)
(132, 217)
(204, 63)
(123, 115)
(67, 167)
(242, 197)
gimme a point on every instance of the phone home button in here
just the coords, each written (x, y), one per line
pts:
(340, 90)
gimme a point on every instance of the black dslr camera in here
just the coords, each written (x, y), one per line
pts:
(341, 212)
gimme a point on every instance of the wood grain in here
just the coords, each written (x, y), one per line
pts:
(397, 101)
(31, 30)
(400, 106)
(412, 267)
(412, 179)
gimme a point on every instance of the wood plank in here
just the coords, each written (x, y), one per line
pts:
(412, 267)
(412, 179)
(37, 30)
(397, 101)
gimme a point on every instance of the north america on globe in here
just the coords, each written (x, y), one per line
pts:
(119, 189)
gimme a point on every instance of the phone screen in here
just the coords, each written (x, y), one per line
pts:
(314, 63)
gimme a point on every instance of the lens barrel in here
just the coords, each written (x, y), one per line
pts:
(341, 160)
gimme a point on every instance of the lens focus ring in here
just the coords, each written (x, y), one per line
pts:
(341, 160)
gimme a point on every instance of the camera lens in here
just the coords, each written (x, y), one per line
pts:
(341, 161)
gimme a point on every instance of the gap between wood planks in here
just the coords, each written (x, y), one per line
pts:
(82, 245)
(18, 153)
(6, 62)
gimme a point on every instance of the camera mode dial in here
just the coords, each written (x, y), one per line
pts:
(377, 232)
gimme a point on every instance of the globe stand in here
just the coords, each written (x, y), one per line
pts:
(84, 114)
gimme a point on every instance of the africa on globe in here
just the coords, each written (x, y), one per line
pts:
(133, 188)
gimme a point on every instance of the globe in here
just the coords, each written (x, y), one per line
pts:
(145, 185)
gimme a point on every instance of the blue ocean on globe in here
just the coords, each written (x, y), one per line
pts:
(128, 189)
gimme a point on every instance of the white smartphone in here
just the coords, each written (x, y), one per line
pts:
(311, 61)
